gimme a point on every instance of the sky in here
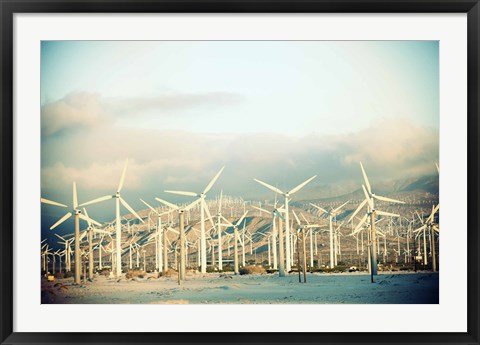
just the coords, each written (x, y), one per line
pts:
(279, 111)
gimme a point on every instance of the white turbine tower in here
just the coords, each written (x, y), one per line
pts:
(236, 239)
(181, 220)
(371, 211)
(287, 218)
(203, 209)
(331, 215)
(78, 215)
(118, 222)
(158, 237)
(429, 225)
(275, 213)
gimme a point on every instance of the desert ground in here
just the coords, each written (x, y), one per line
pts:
(215, 288)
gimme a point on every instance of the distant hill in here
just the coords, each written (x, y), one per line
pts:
(425, 185)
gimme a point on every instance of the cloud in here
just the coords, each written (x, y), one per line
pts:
(76, 110)
(160, 160)
(139, 105)
(83, 110)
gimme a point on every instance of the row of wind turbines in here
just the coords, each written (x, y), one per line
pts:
(279, 240)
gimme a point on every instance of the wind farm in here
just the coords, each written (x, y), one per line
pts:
(239, 173)
(159, 249)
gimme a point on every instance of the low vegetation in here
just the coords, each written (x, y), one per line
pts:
(252, 270)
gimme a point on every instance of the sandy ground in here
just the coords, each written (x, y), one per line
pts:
(349, 288)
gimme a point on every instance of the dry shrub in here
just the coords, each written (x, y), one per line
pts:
(134, 274)
(170, 273)
(252, 270)
(191, 272)
(68, 274)
(59, 275)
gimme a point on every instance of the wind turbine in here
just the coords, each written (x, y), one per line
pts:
(158, 235)
(430, 225)
(181, 220)
(91, 231)
(275, 213)
(77, 213)
(287, 218)
(118, 223)
(219, 230)
(301, 228)
(203, 208)
(68, 251)
(331, 215)
(371, 211)
(236, 239)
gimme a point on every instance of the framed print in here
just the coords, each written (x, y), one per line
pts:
(264, 171)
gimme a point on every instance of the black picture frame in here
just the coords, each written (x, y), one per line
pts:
(9, 8)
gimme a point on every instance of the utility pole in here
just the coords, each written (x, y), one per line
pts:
(77, 248)
(374, 244)
(304, 257)
(181, 216)
(298, 261)
(281, 251)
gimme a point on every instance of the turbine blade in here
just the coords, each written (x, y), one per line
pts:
(75, 199)
(383, 213)
(339, 207)
(61, 220)
(362, 221)
(367, 183)
(94, 201)
(205, 207)
(226, 220)
(434, 210)
(173, 206)
(357, 210)
(181, 192)
(128, 207)
(367, 196)
(420, 228)
(122, 178)
(296, 218)
(305, 219)
(212, 182)
(88, 220)
(237, 223)
(101, 231)
(173, 230)
(421, 219)
(60, 237)
(301, 185)
(261, 209)
(278, 214)
(150, 207)
(46, 201)
(388, 199)
(319, 208)
(189, 206)
(275, 189)
(438, 169)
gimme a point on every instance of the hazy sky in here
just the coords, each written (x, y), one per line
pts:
(277, 111)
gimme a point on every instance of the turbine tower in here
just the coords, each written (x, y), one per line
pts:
(331, 214)
(181, 221)
(287, 218)
(203, 209)
(78, 215)
(371, 211)
(118, 222)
